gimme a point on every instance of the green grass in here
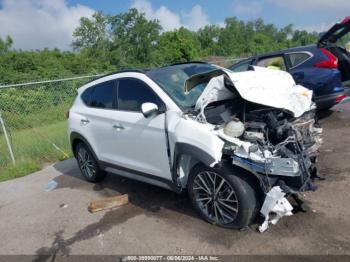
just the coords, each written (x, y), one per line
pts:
(32, 148)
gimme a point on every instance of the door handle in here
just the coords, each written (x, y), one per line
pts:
(298, 76)
(85, 121)
(118, 127)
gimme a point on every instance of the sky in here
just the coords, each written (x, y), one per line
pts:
(36, 24)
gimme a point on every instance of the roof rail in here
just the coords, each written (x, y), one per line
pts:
(117, 72)
(189, 62)
(145, 70)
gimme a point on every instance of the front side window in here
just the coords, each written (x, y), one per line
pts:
(100, 95)
(276, 62)
(132, 93)
(295, 59)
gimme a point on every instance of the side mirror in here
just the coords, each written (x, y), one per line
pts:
(149, 109)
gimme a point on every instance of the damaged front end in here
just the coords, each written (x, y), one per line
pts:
(268, 128)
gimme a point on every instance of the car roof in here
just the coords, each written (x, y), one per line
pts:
(274, 53)
(178, 65)
(144, 71)
(293, 49)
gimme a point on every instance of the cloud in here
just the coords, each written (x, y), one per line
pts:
(194, 19)
(307, 5)
(316, 28)
(167, 19)
(252, 9)
(36, 24)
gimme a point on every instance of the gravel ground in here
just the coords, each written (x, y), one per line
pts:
(158, 221)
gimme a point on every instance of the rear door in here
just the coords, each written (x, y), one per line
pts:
(96, 119)
(295, 62)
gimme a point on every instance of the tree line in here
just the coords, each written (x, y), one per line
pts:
(105, 43)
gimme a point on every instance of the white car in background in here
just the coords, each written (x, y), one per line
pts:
(239, 143)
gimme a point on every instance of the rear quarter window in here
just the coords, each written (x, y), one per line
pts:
(86, 95)
(295, 59)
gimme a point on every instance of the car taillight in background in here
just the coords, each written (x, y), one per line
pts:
(331, 62)
(67, 114)
(345, 20)
(340, 98)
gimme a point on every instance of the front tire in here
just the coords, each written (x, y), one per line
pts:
(222, 196)
(88, 164)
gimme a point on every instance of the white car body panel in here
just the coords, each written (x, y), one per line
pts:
(127, 146)
(182, 129)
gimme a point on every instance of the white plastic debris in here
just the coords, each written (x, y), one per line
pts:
(51, 185)
(275, 202)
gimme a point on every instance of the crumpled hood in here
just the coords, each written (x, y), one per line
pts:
(262, 86)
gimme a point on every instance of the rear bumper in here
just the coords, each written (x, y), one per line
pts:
(327, 101)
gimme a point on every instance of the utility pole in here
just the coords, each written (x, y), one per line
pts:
(7, 140)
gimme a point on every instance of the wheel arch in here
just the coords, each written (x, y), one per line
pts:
(76, 138)
(186, 156)
(251, 176)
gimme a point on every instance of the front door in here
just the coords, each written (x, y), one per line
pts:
(139, 143)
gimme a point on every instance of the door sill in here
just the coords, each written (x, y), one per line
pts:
(138, 175)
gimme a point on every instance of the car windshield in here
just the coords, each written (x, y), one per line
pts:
(172, 80)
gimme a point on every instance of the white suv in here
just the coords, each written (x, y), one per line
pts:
(194, 126)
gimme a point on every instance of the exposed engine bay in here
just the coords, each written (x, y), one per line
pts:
(278, 145)
(269, 142)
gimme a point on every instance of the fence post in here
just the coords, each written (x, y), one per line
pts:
(7, 140)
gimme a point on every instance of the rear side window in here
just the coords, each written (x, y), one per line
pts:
(244, 66)
(132, 93)
(295, 59)
(100, 95)
(276, 62)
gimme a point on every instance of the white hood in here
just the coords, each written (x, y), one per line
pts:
(263, 86)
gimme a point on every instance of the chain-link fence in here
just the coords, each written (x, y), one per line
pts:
(33, 115)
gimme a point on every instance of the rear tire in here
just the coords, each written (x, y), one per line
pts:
(88, 164)
(223, 196)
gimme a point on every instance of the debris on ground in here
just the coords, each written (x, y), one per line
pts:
(275, 203)
(108, 203)
(51, 185)
(63, 205)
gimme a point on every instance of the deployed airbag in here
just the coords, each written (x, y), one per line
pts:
(263, 86)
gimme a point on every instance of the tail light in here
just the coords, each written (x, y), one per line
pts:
(345, 20)
(67, 114)
(340, 98)
(330, 62)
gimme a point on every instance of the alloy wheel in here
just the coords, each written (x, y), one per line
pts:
(215, 197)
(85, 162)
